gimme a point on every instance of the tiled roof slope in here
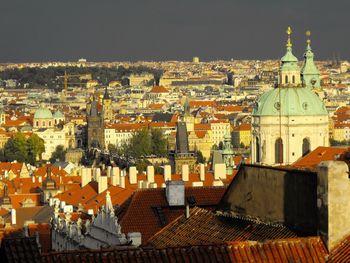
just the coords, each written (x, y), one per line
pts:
(141, 215)
(318, 155)
(20, 250)
(341, 252)
(214, 229)
(288, 250)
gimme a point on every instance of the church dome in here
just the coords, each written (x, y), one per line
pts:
(58, 114)
(42, 113)
(289, 101)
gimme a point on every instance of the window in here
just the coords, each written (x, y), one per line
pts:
(257, 150)
(279, 151)
(306, 146)
(286, 79)
(293, 79)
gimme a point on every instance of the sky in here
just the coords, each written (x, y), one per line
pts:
(131, 30)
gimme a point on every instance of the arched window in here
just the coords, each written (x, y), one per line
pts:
(257, 150)
(286, 79)
(279, 151)
(37, 123)
(293, 79)
(306, 146)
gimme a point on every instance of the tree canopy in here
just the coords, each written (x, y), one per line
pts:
(58, 154)
(23, 149)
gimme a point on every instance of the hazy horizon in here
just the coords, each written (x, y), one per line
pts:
(163, 30)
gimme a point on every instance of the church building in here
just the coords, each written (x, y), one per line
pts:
(290, 120)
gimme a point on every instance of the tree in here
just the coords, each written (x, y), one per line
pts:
(16, 148)
(58, 154)
(159, 143)
(221, 145)
(36, 147)
(140, 144)
(200, 157)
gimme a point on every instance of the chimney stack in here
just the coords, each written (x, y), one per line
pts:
(115, 179)
(150, 174)
(219, 171)
(133, 175)
(333, 202)
(202, 171)
(122, 181)
(98, 174)
(175, 193)
(85, 176)
(13, 217)
(185, 172)
(102, 184)
(167, 172)
(109, 171)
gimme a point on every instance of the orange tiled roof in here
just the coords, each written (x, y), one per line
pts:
(202, 103)
(159, 89)
(318, 155)
(139, 212)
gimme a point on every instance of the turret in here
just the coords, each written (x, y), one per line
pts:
(289, 74)
(309, 73)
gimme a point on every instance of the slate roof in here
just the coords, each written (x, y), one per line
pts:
(214, 229)
(163, 117)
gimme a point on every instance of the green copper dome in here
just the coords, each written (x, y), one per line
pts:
(42, 113)
(58, 114)
(291, 101)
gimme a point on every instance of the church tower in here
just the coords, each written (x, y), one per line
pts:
(309, 73)
(107, 106)
(95, 126)
(290, 120)
(289, 74)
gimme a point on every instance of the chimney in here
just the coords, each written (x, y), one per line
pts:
(218, 183)
(140, 184)
(102, 184)
(85, 176)
(185, 173)
(135, 237)
(98, 174)
(109, 171)
(175, 193)
(333, 202)
(187, 210)
(33, 178)
(13, 217)
(202, 171)
(115, 179)
(219, 171)
(167, 172)
(122, 181)
(152, 185)
(150, 174)
(133, 175)
(40, 179)
(197, 184)
(62, 205)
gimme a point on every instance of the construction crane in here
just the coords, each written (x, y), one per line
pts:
(68, 76)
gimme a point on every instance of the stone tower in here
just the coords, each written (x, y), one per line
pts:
(95, 126)
(309, 72)
(107, 106)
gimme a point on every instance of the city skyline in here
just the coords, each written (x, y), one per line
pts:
(162, 30)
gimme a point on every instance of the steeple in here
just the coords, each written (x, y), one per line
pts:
(289, 74)
(309, 72)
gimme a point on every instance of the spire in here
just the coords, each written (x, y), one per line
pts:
(309, 71)
(109, 205)
(289, 32)
(106, 95)
(289, 74)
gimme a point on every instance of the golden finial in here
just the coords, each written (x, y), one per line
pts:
(308, 34)
(289, 32)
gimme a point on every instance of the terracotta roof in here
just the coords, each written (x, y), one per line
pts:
(341, 253)
(20, 250)
(158, 89)
(318, 155)
(214, 229)
(140, 214)
(288, 250)
(202, 103)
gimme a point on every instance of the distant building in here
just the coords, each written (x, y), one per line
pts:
(95, 126)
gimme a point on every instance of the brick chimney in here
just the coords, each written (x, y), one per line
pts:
(150, 174)
(202, 171)
(115, 178)
(102, 184)
(85, 176)
(185, 172)
(167, 172)
(333, 202)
